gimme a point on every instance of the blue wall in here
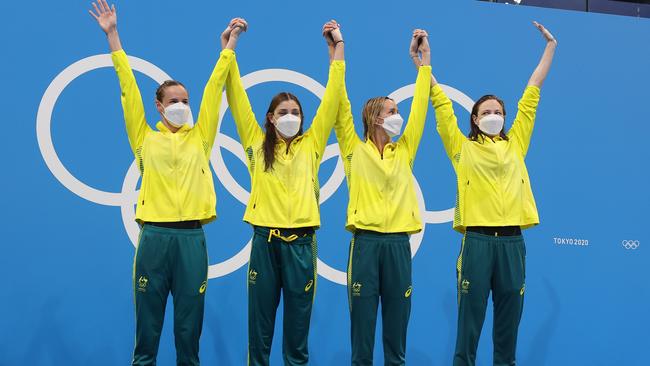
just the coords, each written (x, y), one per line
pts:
(65, 268)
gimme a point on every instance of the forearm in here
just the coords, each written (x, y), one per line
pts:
(114, 40)
(232, 42)
(339, 51)
(417, 61)
(539, 75)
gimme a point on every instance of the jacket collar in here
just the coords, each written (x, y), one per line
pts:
(163, 128)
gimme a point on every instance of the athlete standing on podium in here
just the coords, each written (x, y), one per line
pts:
(176, 198)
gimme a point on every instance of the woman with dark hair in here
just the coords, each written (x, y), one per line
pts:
(382, 212)
(176, 198)
(495, 202)
(283, 208)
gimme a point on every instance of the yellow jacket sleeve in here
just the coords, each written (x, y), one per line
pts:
(208, 119)
(344, 129)
(327, 110)
(136, 125)
(415, 125)
(522, 127)
(446, 123)
(247, 127)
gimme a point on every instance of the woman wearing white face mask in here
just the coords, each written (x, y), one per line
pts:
(283, 209)
(176, 198)
(382, 212)
(494, 203)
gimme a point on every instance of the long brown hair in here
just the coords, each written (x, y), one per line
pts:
(371, 110)
(474, 131)
(271, 138)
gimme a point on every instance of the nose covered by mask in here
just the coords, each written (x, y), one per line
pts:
(393, 125)
(491, 125)
(288, 125)
(178, 114)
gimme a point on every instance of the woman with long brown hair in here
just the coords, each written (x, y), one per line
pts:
(495, 202)
(283, 208)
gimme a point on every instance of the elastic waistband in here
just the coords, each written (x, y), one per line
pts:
(191, 224)
(378, 235)
(285, 234)
(503, 239)
(147, 227)
(495, 230)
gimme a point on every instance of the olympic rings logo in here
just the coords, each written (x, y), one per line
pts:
(630, 244)
(126, 198)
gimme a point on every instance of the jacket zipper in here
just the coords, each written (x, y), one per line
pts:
(175, 168)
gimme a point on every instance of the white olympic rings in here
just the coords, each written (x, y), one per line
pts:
(630, 244)
(128, 196)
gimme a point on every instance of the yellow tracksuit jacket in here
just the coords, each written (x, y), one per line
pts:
(382, 192)
(493, 184)
(288, 195)
(176, 179)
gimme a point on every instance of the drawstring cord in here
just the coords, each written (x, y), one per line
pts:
(276, 233)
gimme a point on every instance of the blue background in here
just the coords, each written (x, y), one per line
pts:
(65, 267)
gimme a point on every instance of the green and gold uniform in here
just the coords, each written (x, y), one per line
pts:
(284, 211)
(494, 202)
(382, 212)
(176, 197)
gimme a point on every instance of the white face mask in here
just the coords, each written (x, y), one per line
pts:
(393, 125)
(178, 114)
(288, 125)
(491, 125)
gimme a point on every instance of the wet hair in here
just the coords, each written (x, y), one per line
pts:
(371, 110)
(160, 92)
(270, 137)
(474, 131)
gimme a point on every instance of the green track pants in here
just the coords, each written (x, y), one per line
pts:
(379, 268)
(286, 264)
(167, 260)
(489, 263)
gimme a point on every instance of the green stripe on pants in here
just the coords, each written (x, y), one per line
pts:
(276, 266)
(379, 267)
(497, 264)
(167, 260)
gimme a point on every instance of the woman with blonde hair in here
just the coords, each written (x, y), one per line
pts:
(382, 212)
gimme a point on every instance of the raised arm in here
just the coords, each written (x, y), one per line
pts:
(106, 17)
(446, 122)
(415, 125)
(522, 127)
(132, 106)
(208, 119)
(538, 76)
(327, 110)
(248, 129)
(344, 129)
(419, 60)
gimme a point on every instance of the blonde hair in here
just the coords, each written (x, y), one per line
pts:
(371, 110)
